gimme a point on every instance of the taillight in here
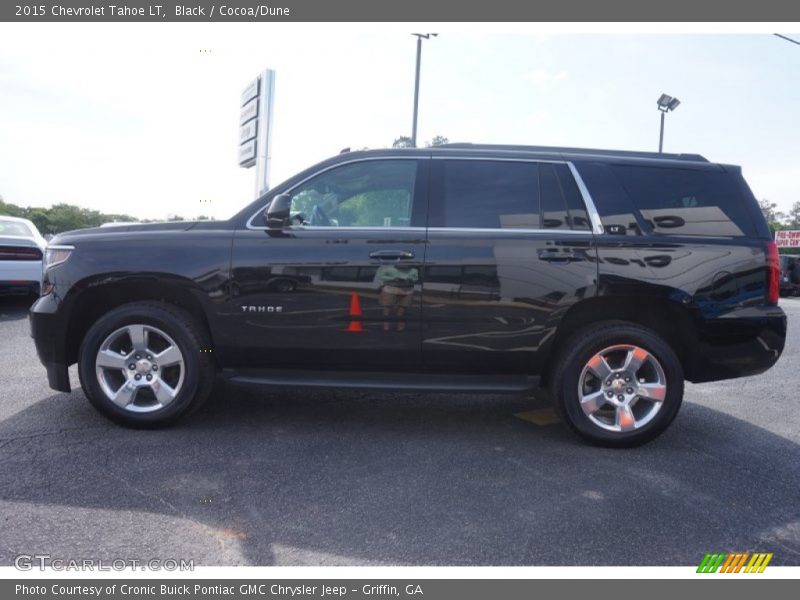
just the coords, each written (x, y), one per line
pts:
(19, 253)
(774, 267)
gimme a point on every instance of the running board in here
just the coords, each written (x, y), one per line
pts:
(386, 381)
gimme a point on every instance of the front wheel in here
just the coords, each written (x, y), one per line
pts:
(618, 384)
(146, 364)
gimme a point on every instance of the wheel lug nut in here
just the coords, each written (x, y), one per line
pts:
(620, 397)
(149, 377)
(629, 390)
(131, 366)
(137, 377)
(155, 367)
(149, 357)
(138, 357)
(627, 379)
(610, 394)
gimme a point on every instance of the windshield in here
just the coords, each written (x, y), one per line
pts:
(14, 228)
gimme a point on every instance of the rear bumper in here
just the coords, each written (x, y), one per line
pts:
(20, 275)
(49, 337)
(743, 342)
(18, 287)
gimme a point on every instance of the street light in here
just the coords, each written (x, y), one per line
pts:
(420, 37)
(665, 104)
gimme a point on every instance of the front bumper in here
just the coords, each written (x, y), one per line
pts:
(743, 342)
(49, 337)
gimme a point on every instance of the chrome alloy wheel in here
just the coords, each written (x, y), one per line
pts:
(140, 368)
(622, 388)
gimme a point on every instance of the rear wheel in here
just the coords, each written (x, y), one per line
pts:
(618, 384)
(146, 364)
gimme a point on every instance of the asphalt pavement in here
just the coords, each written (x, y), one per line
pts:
(335, 478)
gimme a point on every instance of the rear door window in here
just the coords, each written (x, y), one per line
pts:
(488, 194)
(554, 206)
(562, 204)
(504, 194)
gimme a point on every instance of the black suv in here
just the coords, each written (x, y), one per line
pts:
(605, 278)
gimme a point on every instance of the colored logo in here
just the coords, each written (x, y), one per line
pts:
(735, 562)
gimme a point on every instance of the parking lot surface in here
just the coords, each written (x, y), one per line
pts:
(321, 478)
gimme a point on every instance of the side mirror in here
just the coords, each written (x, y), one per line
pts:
(277, 213)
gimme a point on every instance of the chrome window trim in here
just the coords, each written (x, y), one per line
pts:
(594, 216)
(399, 229)
(509, 230)
(591, 209)
(250, 225)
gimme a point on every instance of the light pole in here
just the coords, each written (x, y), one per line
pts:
(665, 105)
(420, 37)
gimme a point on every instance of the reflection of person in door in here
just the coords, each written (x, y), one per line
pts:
(396, 291)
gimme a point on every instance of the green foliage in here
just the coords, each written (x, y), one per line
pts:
(778, 220)
(402, 142)
(772, 216)
(405, 142)
(370, 209)
(65, 217)
(792, 219)
(437, 140)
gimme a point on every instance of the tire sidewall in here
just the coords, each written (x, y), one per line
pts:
(145, 315)
(569, 401)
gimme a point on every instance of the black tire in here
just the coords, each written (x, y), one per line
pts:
(576, 353)
(190, 337)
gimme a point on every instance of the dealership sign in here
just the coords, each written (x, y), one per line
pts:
(255, 125)
(789, 238)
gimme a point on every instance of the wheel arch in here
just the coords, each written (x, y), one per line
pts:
(97, 298)
(670, 320)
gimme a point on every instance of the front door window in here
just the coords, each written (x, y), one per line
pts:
(376, 193)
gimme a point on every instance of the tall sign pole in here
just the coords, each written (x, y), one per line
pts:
(255, 128)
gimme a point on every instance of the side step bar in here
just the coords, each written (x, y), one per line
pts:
(369, 380)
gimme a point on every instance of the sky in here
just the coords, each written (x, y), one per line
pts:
(136, 119)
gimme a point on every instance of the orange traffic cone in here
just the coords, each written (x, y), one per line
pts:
(355, 311)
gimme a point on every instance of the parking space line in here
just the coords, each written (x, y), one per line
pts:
(541, 416)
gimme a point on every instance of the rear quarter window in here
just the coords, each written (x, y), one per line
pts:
(14, 228)
(687, 202)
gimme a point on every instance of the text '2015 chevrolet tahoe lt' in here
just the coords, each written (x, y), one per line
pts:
(607, 278)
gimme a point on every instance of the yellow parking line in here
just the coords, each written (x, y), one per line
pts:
(541, 416)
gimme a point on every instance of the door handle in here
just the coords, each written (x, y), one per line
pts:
(556, 256)
(391, 255)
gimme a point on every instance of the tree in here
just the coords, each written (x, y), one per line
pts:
(437, 140)
(405, 142)
(773, 217)
(792, 220)
(12, 210)
(65, 217)
(402, 142)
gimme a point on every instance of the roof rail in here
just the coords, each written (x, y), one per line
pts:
(562, 150)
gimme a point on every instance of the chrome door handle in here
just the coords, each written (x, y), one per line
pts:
(556, 256)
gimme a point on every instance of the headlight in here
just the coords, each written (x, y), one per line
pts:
(55, 255)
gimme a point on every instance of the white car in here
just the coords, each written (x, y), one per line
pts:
(22, 248)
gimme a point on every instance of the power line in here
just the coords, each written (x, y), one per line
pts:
(788, 39)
